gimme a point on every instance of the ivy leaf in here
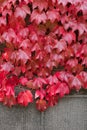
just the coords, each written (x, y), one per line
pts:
(40, 94)
(38, 17)
(22, 55)
(52, 100)
(24, 98)
(22, 11)
(7, 67)
(69, 37)
(40, 4)
(9, 101)
(83, 78)
(60, 46)
(41, 105)
(23, 81)
(75, 83)
(62, 89)
(53, 15)
(39, 82)
(9, 36)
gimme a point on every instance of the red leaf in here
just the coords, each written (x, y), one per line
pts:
(24, 98)
(40, 4)
(41, 105)
(75, 84)
(2, 95)
(9, 101)
(23, 80)
(23, 56)
(38, 17)
(52, 80)
(39, 82)
(83, 78)
(61, 45)
(22, 11)
(69, 37)
(62, 89)
(40, 93)
(7, 67)
(53, 15)
(52, 100)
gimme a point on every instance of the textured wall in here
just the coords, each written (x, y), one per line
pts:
(69, 114)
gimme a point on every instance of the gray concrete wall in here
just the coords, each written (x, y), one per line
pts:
(69, 114)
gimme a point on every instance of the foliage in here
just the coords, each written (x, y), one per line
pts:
(43, 50)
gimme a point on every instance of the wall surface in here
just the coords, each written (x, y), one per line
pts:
(69, 114)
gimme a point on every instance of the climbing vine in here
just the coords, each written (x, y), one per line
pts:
(43, 50)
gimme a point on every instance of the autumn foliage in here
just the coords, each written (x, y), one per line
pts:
(43, 50)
